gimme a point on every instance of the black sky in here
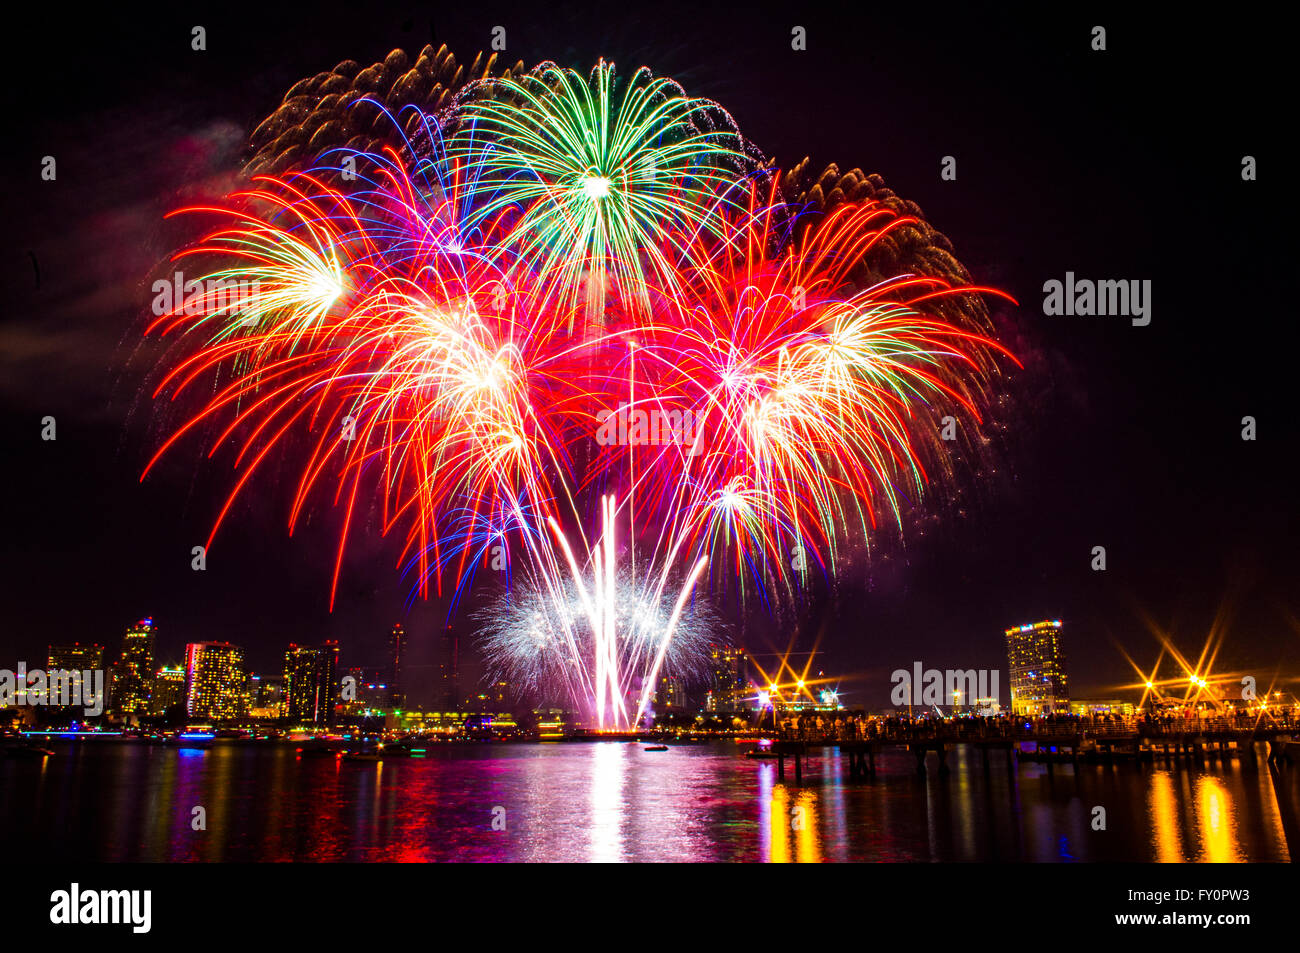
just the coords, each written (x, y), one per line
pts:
(1119, 164)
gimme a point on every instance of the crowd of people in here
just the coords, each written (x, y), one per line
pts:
(859, 726)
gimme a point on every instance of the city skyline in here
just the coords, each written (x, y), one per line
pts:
(734, 680)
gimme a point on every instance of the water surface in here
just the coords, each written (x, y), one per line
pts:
(614, 801)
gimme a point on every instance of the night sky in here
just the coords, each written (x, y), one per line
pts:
(1123, 164)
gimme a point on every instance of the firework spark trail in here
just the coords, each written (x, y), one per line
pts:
(418, 329)
(605, 630)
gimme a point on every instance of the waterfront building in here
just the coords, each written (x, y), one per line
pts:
(75, 657)
(669, 694)
(449, 670)
(371, 692)
(132, 676)
(215, 681)
(309, 690)
(168, 688)
(397, 656)
(728, 689)
(266, 696)
(1036, 664)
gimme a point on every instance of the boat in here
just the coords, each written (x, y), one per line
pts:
(190, 739)
(385, 752)
(761, 753)
(318, 748)
(657, 748)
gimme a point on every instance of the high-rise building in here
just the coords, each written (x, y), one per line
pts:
(132, 676)
(728, 684)
(330, 649)
(669, 695)
(1036, 664)
(449, 671)
(370, 690)
(397, 656)
(309, 690)
(75, 657)
(168, 688)
(266, 696)
(215, 681)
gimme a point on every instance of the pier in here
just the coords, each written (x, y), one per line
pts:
(1216, 739)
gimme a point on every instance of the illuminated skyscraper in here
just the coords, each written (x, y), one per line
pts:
(669, 695)
(371, 690)
(331, 676)
(168, 689)
(309, 683)
(728, 685)
(1036, 664)
(215, 680)
(75, 657)
(397, 655)
(132, 677)
(449, 671)
(266, 696)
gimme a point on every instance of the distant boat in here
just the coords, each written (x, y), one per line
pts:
(657, 748)
(320, 748)
(385, 752)
(761, 753)
(191, 739)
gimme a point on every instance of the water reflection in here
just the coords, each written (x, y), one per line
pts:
(1166, 824)
(617, 802)
(606, 824)
(792, 823)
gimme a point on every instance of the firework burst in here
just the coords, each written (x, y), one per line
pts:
(563, 297)
(610, 176)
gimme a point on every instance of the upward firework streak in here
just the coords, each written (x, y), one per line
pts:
(449, 331)
(617, 655)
